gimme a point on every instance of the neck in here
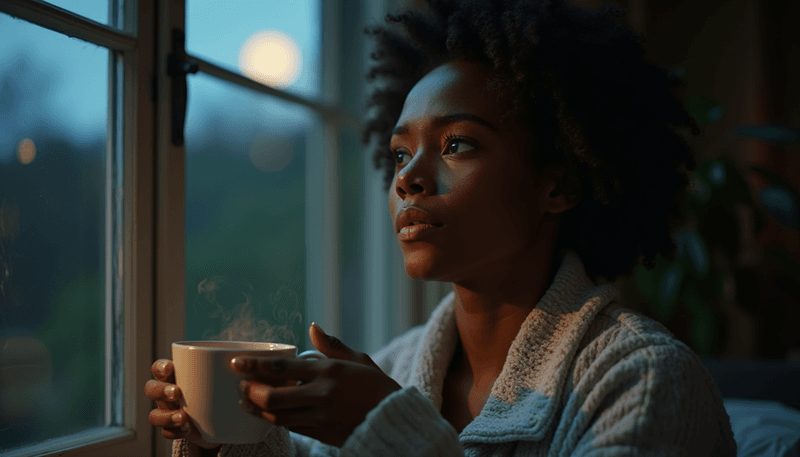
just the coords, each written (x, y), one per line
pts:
(489, 317)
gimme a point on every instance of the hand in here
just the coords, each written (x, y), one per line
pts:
(169, 414)
(335, 395)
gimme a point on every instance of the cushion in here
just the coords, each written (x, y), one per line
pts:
(764, 428)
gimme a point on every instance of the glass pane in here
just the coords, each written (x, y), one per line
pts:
(98, 10)
(53, 115)
(275, 42)
(245, 214)
(352, 215)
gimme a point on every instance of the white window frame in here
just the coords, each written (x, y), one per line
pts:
(152, 264)
(135, 265)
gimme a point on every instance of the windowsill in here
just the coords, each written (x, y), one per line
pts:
(84, 440)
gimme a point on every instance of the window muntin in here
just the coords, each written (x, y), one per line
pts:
(98, 11)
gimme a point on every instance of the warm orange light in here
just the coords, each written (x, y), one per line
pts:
(271, 57)
(26, 151)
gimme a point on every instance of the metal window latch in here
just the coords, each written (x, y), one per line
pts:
(178, 66)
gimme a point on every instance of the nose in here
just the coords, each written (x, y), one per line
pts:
(415, 178)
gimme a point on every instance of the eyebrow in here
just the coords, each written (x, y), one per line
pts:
(441, 121)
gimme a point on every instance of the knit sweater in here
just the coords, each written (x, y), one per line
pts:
(584, 376)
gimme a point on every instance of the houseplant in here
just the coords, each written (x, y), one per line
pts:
(718, 263)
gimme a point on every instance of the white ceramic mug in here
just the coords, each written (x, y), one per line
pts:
(210, 387)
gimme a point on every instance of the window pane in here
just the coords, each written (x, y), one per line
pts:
(245, 214)
(98, 10)
(275, 42)
(53, 115)
(352, 215)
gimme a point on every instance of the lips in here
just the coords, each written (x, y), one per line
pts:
(412, 222)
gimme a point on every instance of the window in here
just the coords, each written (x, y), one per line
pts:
(66, 174)
(109, 224)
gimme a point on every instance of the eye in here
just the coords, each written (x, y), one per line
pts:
(455, 145)
(400, 157)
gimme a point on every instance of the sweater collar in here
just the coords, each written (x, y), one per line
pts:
(525, 397)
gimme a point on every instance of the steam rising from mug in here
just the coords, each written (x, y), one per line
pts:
(241, 322)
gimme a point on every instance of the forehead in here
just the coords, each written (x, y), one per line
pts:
(454, 87)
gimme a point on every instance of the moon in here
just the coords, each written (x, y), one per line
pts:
(271, 57)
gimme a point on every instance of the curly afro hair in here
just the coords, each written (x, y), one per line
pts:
(579, 79)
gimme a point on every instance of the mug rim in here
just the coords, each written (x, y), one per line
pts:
(197, 344)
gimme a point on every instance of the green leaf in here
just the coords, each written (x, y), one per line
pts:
(721, 229)
(780, 202)
(695, 248)
(699, 189)
(703, 326)
(771, 133)
(734, 187)
(781, 205)
(648, 283)
(703, 110)
(668, 286)
(711, 287)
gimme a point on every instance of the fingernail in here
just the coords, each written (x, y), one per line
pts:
(246, 405)
(243, 385)
(177, 418)
(162, 366)
(240, 364)
(318, 327)
(169, 391)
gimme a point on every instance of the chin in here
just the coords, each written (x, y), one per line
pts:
(422, 266)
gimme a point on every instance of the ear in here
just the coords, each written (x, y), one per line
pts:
(562, 191)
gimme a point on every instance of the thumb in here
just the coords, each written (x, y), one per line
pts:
(333, 347)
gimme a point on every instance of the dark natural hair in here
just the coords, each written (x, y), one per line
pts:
(596, 107)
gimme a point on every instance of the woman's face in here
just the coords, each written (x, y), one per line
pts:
(463, 180)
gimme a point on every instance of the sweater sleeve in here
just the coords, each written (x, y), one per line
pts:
(657, 401)
(404, 424)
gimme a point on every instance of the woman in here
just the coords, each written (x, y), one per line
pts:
(528, 151)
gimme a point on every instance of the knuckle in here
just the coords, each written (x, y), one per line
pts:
(155, 417)
(172, 392)
(333, 368)
(149, 387)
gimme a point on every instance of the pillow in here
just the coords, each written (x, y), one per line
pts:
(764, 428)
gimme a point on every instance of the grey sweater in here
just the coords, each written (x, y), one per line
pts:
(584, 376)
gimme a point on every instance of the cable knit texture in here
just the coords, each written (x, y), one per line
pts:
(584, 377)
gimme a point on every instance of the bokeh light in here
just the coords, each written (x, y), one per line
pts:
(271, 57)
(26, 151)
(270, 153)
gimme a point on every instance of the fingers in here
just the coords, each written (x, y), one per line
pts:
(169, 419)
(175, 424)
(163, 370)
(300, 417)
(268, 398)
(278, 369)
(162, 391)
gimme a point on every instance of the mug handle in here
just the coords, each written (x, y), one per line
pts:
(311, 355)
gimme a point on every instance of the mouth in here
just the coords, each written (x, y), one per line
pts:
(416, 231)
(412, 222)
